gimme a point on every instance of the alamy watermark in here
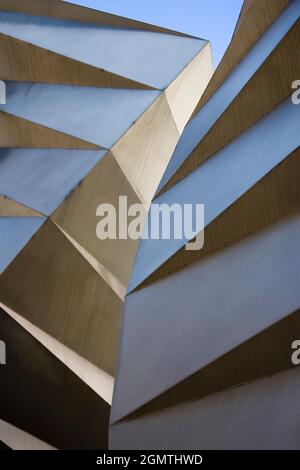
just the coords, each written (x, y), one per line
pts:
(163, 222)
(2, 353)
(296, 354)
(2, 92)
(295, 97)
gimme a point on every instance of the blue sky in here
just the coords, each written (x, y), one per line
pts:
(209, 19)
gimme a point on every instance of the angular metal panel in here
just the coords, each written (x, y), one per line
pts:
(259, 415)
(153, 62)
(42, 179)
(275, 196)
(98, 115)
(230, 88)
(15, 232)
(40, 395)
(225, 177)
(53, 286)
(212, 307)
